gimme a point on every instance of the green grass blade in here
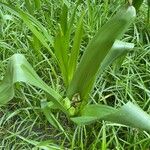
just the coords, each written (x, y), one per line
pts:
(73, 59)
(98, 49)
(44, 145)
(35, 26)
(19, 70)
(104, 138)
(118, 50)
(129, 114)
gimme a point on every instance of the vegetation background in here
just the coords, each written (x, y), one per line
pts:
(22, 123)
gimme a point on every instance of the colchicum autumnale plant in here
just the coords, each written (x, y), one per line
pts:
(79, 78)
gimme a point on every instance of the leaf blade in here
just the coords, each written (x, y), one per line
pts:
(118, 50)
(93, 57)
(73, 59)
(129, 114)
(19, 70)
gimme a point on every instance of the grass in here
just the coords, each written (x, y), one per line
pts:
(22, 123)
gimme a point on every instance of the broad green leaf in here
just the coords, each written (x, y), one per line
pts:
(98, 49)
(96, 110)
(129, 114)
(19, 70)
(61, 43)
(116, 54)
(118, 49)
(34, 25)
(73, 59)
(61, 48)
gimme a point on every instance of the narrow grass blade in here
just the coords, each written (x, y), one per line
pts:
(19, 70)
(34, 25)
(129, 114)
(98, 49)
(118, 49)
(73, 59)
(104, 138)
(44, 145)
